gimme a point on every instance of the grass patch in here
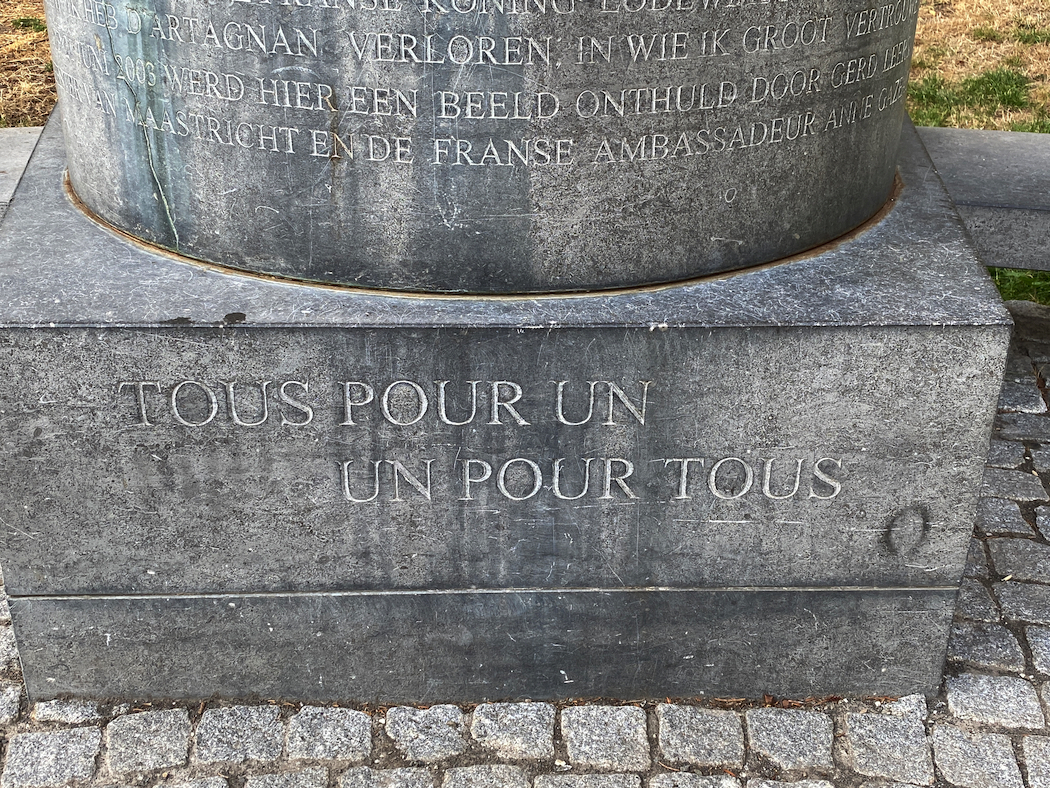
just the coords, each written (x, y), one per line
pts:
(1016, 284)
(999, 88)
(989, 34)
(1031, 35)
(29, 23)
(934, 101)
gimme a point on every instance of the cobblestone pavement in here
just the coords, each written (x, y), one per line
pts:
(988, 728)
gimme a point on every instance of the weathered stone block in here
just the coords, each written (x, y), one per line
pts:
(262, 475)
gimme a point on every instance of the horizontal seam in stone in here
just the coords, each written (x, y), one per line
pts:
(471, 591)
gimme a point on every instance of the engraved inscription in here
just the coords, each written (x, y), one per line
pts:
(360, 407)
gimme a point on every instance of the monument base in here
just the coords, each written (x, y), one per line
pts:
(219, 484)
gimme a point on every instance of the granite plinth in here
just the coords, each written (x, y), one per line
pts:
(385, 497)
(483, 145)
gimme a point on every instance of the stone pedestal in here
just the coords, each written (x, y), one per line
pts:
(220, 484)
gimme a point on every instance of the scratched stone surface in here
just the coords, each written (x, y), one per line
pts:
(484, 145)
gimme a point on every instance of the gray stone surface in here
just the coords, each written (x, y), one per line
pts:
(763, 783)
(1039, 643)
(515, 731)
(995, 700)
(1016, 485)
(984, 760)
(10, 702)
(54, 758)
(201, 782)
(1024, 601)
(1042, 518)
(147, 740)
(609, 738)
(986, 646)
(998, 182)
(427, 735)
(1023, 426)
(8, 648)
(316, 777)
(976, 560)
(236, 734)
(976, 603)
(1005, 454)
(15, 146)
(791, 738)
(1036, 751)
(71, 712)
(488, 776)
(890, 746)
(1020, 559)
(1001, 516)
(687, 780)
(341, 734)
(366, 777)
(853, 311)
(590, 781)
(700, 737)
(1021, 395)
(909, 706)
(416, 199)
(1041, 460)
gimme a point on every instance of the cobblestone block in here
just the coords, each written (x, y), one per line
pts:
(976, 561)
(908, 706)
(975, 761)
(700, 737)
(995, 700)
(485, 777)
(148, 740)
(881, 784)
(8, 649)
(1015, 485)
(890, 746)
(427, 735)
(1024, 602)
(203, 782)
(10, 702)
(999, 516)
(71, 712)
(1021, 395)
(588, 781)
(1020, 559)
(790, 738)
(239, 733)
(1005, 454)
(1042, 520)
(1039, 642)
(1022, 426)
(763, 783)
(515, 731)
(316, 777)
(986, 646)
(687, 780)
(1037, 758)
(5, 610)
(365, 777)
(606, 737)
(1041, 458)
(337, 734)
(51, 758)
(975, 602)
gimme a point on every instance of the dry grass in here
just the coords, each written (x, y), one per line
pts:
(27, 84)
(961, 39)
(956, 40)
